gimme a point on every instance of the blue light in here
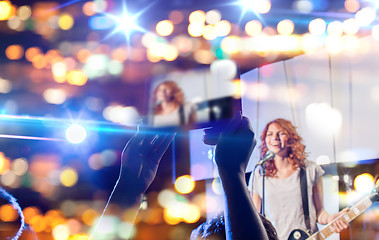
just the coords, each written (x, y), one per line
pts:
(100, 22)
(76, 134)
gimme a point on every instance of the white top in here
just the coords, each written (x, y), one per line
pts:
(173, 119)
(283, 202)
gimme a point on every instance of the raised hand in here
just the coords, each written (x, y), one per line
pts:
(141, 157)
(235, 143)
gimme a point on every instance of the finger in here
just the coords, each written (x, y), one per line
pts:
(210, 136)
(156, 144)
(336, 227)
(341, 225)
(134, 142)
(162, 142)
(345, 210)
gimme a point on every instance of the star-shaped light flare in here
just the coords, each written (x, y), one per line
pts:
(250, 5)
(126, 22)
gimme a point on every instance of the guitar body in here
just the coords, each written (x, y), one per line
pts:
(298, 234)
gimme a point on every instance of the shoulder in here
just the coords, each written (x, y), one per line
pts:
(311, 164)
(189, 106)
(313, 170)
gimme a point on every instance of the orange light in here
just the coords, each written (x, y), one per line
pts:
(89, 8)
(120, 54)
(8, 213)
(5, 163)
(83, 55)
(352, 5)
(38, 223)
(14, 52)
(31, 52)
(30, 212)
(89, 216)
(39, 61)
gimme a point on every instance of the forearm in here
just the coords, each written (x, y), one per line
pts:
(129, 197)
(241, 218)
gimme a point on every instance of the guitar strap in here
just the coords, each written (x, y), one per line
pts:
(304, 197)
(181, 115)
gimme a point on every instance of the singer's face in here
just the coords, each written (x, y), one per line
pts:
(277, 139)
(164, 93)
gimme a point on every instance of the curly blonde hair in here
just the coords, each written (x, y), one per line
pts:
(177, 93)
(297, 154)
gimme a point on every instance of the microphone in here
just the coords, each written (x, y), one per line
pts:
(269, 155)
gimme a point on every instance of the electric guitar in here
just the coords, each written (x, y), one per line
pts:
(347, 217)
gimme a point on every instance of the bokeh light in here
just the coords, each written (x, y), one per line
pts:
(54, 96)
(197, 17)
(352, 5)
(222, 28)
(322, 118)
(196, 29)
(76, 77)
(335, 29)
(350, 26)
(76, 134)
(253, 28)
(89, 8)
(192, 213)
(184, 184)
(365, 16)
(213, 17)
(217, 186)
(6, 86)
(69, 177)
(61, 232)
(8, 213)
(121, 114)
(209, 33)
(364, 183)
(24, 12)
(20, 166)
(14, 52)
(164, 28)
(285, 27)
(317, 27)
(176, 17)
(5, 163)
(5, 10)
(66, 21)
(231, 44)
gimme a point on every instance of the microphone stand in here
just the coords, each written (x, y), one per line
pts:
(263, 189)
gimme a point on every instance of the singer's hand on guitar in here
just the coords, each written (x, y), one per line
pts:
(235, 144)
(339, 224)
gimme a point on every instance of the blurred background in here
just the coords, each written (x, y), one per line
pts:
(75, 79)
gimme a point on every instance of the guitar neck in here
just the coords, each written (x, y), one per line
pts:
(347, 217)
